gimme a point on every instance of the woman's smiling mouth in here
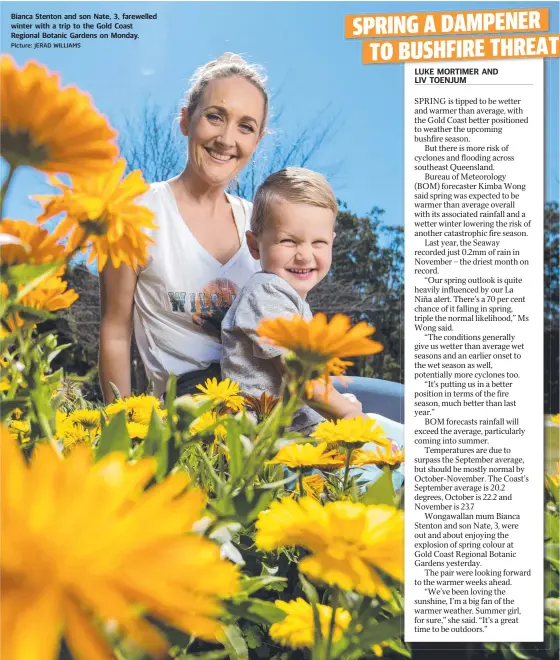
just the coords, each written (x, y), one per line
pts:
(216, 155)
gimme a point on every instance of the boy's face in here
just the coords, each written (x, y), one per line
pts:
(296, 244)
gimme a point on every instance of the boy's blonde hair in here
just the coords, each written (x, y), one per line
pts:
(292, 184)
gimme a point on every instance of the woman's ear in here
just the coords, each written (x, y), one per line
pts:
(184, 122)
(253, 245)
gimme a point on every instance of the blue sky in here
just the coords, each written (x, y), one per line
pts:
(309, 63)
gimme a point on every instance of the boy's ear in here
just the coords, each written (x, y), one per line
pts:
(253, 245)
(333, 235)
(184, 122)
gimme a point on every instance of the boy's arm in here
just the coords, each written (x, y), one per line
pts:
(334, 405)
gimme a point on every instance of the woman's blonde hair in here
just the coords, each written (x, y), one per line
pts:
(292, 184)
(225, 66)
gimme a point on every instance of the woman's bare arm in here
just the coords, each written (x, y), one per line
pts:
(117, 304)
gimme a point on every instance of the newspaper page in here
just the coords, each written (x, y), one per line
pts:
(279, 330)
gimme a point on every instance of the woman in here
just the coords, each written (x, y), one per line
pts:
(199, 259)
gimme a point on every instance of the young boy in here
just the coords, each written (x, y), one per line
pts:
(292, 233)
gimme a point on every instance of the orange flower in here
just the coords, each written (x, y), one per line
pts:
(102, 215)
(318, 341)
(40, 247)
(50, 295)
(49, 127)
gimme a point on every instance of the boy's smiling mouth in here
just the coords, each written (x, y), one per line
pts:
(301, 272)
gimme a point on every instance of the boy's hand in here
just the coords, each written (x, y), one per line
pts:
(354, 411)
(330, 403)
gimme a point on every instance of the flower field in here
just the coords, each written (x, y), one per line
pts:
(193, 527)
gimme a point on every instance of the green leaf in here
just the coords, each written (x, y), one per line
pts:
(376, 633)
(7, 407)
(220, 501)
(252, 584)
(551, 531)
(235, 448)
(31, 275)
(114, 437)
(551, 445)
(248, 505)
(257, 611)
(381, 491)
(552, 554)
(208, 655)
(115, 390)
(313, 599)
(276, 484)
(235, 643)
(171, 394)
(155, 444)
(518, 653)
(33, 312)
(51, 356)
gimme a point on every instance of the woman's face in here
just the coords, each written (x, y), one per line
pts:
(224, 129)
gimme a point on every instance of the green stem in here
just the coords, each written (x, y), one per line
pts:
(349, 451)
(334, 605)
(301, 484)
(41, 419)
(5, 186)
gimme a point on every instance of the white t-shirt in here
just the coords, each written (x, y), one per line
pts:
(183, 293)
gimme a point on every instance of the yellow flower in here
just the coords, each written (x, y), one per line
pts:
(318, 341)
(20, 426)
(297, 629)
(226, 393)
(17, 413)
(554, 479)
(555, 419)
(78, 427)
(348, 541)
(102, 211)
(308, 456)
(377, 649)
(76, 434)
(89, 419)
(390, 457)
(203, 426)
(114, 408)
(84, 544)
(51, 128)
(313, 485)
(137, 431)
(351, 432)
(262, 406)
(40, 247)
(138, 408)
(19, 429)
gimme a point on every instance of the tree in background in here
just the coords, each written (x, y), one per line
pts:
(149, 141)
(279, 149)
(551, 306)
(366, 282)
